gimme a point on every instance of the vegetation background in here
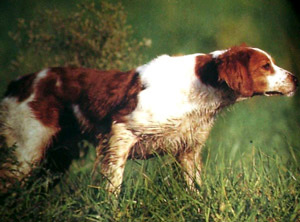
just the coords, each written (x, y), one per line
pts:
(251, 170)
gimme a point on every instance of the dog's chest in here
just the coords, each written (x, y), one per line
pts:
(173, 136)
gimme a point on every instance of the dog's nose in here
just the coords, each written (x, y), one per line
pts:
(295, 80)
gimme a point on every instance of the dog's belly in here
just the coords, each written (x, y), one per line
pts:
(150, 145)
(174, 137)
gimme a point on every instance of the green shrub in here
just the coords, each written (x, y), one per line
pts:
(92, 36)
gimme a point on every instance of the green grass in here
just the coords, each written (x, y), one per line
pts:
(258, 187)
(244, 179)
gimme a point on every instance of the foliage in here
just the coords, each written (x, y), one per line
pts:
(92, 36)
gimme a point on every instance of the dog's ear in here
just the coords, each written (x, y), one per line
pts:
(233, 69)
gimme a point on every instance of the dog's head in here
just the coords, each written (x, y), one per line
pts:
(247, 71)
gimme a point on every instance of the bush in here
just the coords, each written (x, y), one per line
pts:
(92, 36)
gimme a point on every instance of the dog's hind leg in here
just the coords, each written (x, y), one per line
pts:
(20, 129)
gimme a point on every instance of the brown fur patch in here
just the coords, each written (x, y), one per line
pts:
(206, 69)
(259, 71)
(233, 69)
(101, 95)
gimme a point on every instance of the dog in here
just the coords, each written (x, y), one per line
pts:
(167, 106)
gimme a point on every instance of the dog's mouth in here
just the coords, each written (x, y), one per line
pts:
(269, 93)
(273, 93)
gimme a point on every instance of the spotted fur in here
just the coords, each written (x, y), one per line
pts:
(166, 106)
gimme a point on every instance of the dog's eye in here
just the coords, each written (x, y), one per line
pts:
(266, 66)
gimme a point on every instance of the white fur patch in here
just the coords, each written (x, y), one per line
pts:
(21, 128)
(168, 82)
(42, 74)
(278, 79)
(175, 109)
(217, 53)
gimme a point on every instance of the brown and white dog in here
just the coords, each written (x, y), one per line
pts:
(166, 106)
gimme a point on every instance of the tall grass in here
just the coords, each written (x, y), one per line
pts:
(255, 187)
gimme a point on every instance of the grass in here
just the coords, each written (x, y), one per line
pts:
(242, 181)
(264, 190)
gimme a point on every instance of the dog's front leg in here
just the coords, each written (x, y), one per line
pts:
(115, 156)
(190, 162)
